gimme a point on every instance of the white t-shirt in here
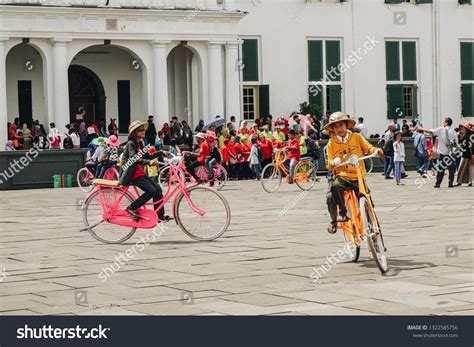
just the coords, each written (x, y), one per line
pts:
(90, 130)
(443, 140)
(399, 151)
(76, 141)
(363, 129)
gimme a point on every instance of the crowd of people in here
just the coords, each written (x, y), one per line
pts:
(245, 149)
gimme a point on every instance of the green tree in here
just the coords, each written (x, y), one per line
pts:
(312, 109)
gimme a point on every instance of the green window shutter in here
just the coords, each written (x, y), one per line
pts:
(333, 58)
(334, 98)
(395, 101)
(315, 94)
(393, 1)
(264, 100)
(465, 2)
(392, 60)
(315, 60)
(467, 97)
(409, 60)
(424, 2)
(250, 59)
(467, 60)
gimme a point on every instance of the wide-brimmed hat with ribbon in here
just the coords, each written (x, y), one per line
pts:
(337, 117)
(98, 140)
(135, 125)
(113, 141)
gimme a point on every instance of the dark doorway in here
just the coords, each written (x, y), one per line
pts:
(25, 108)
(86, 91)
(123, 93)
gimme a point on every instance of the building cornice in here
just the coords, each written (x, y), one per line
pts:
(177, 14)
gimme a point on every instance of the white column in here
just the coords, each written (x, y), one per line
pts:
(3, 92)
(232, 83)
(60, 83)
(216, 85)
(160, 82)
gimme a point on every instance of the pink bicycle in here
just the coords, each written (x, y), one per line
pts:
(201, 212)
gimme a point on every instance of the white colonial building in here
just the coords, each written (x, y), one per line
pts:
(128, 59)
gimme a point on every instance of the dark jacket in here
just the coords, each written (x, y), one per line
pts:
(131, 159)
(150, 133)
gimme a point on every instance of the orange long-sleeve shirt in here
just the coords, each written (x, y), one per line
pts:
(356, 144)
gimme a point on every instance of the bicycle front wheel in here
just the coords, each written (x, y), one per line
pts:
(95, 209)
(84, 180)
(111, 174)
(305, 175)
(205, 217)
(374, 235)
(271, 178)
(369, 165)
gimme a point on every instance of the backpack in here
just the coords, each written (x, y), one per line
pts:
(67, 143)
(313, 148)
(388, 148)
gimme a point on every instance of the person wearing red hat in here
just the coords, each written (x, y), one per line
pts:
(202, 154)
(109, 157)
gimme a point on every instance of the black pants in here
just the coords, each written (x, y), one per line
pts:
(151, 190)
(191, 168)
(441, 167)
(335, 196)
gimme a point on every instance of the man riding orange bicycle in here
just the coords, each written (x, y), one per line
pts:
(342, 144)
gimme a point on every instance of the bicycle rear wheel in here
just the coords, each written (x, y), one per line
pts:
(271, 178)
(220, 177)
(216, 213)
(305, 175)
(374, 235)
(93, 216)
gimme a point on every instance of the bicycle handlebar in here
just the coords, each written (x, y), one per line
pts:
(354, 160)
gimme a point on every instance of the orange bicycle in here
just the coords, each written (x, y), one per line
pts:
(363, 222)
(272, 174)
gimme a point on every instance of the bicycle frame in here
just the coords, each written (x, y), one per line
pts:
(279, 163)
(352, 204)
(174, 174)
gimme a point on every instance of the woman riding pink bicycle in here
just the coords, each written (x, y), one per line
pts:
(135, 157)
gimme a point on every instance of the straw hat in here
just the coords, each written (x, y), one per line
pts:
(339, 117)
(135, 125)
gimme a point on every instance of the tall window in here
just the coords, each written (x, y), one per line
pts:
(250, 102)
(324, 76)
(467, 79)
(255, 95)
(402, 81)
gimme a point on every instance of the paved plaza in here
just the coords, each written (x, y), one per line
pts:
(262, 265)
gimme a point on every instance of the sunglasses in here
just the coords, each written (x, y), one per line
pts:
(140, 129)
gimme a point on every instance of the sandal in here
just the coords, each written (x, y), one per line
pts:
(332, 228)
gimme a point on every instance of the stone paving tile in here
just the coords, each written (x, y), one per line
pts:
(261, 266)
